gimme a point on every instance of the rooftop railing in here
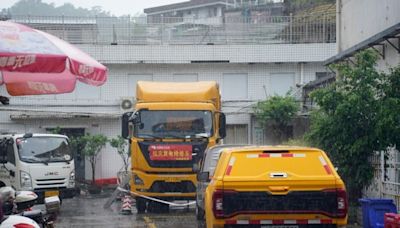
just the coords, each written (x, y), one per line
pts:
(320, 28)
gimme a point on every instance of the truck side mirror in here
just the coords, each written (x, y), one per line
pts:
(222, 125)
(3, 150)
(3, 155)
(125, 124)
(203, 176)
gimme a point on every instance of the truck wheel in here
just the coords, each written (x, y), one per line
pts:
(199, 213)
(140, 205)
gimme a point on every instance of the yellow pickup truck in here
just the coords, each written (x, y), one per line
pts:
(285, 187)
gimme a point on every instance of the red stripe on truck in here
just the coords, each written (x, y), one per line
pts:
(279, 222)
(230, 165)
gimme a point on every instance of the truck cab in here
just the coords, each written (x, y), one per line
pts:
(172, 126)
(42, 163)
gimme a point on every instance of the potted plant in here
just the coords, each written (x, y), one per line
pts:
(120, 144)
(91, 148)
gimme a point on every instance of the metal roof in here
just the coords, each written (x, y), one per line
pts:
(385, 35)
(320, 81)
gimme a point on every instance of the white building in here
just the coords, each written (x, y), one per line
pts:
(363, 24)
(246, 74)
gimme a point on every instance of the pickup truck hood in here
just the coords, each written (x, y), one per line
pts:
(305, 184)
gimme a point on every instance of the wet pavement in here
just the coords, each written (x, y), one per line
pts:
(88, 211)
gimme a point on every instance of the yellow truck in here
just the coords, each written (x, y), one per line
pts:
(264, 186)
(171, 127)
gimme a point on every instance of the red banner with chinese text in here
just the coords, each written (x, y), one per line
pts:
(170, 152)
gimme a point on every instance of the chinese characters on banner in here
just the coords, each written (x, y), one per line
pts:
(170, 152)
(14, 62)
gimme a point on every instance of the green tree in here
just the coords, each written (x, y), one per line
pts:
(293, 6)
(91, 146)
(357, 116)
(277, 111)
(389, 118)
(120, 144)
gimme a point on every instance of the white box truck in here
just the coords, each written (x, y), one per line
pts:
(42, 163)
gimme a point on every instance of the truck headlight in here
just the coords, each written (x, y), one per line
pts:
(26, 180)
(71, 182)
(137, 180)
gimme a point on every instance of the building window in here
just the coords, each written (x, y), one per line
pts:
(234, 87)
(281, 83)
(236, 134)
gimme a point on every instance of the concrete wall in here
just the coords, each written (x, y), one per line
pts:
(174, 54)
(122, 79)
(361, 19)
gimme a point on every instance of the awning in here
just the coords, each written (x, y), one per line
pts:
(385, 35)
(41, 112)
(44, 116)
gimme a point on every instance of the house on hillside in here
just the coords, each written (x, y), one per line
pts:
(193, 11)
(215, 11)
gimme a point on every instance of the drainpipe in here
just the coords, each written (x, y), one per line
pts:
(338, 25)
(301, 74)
(382, 184)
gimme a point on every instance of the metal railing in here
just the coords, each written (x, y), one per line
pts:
(386, 181)
(312, 28)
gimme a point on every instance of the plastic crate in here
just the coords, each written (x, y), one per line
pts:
(392, 220)
(374, 211)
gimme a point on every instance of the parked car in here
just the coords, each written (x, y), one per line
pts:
(275, 187)
(207, 166)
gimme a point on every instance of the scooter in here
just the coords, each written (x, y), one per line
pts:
(14, 220)
(19, 203)
(17, 221)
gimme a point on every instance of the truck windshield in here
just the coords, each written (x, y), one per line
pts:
(44, 149)
(174, 124)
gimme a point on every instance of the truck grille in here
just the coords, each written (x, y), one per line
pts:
(198, 150)
(49, 183)
(181, 187)
(294, 202)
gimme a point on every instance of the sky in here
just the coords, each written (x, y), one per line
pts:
(116, 7)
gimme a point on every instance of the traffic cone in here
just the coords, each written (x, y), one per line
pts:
(126, 205)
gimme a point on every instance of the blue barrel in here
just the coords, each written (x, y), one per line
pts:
(374, 210)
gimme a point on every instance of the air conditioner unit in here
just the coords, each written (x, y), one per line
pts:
(127, 103)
